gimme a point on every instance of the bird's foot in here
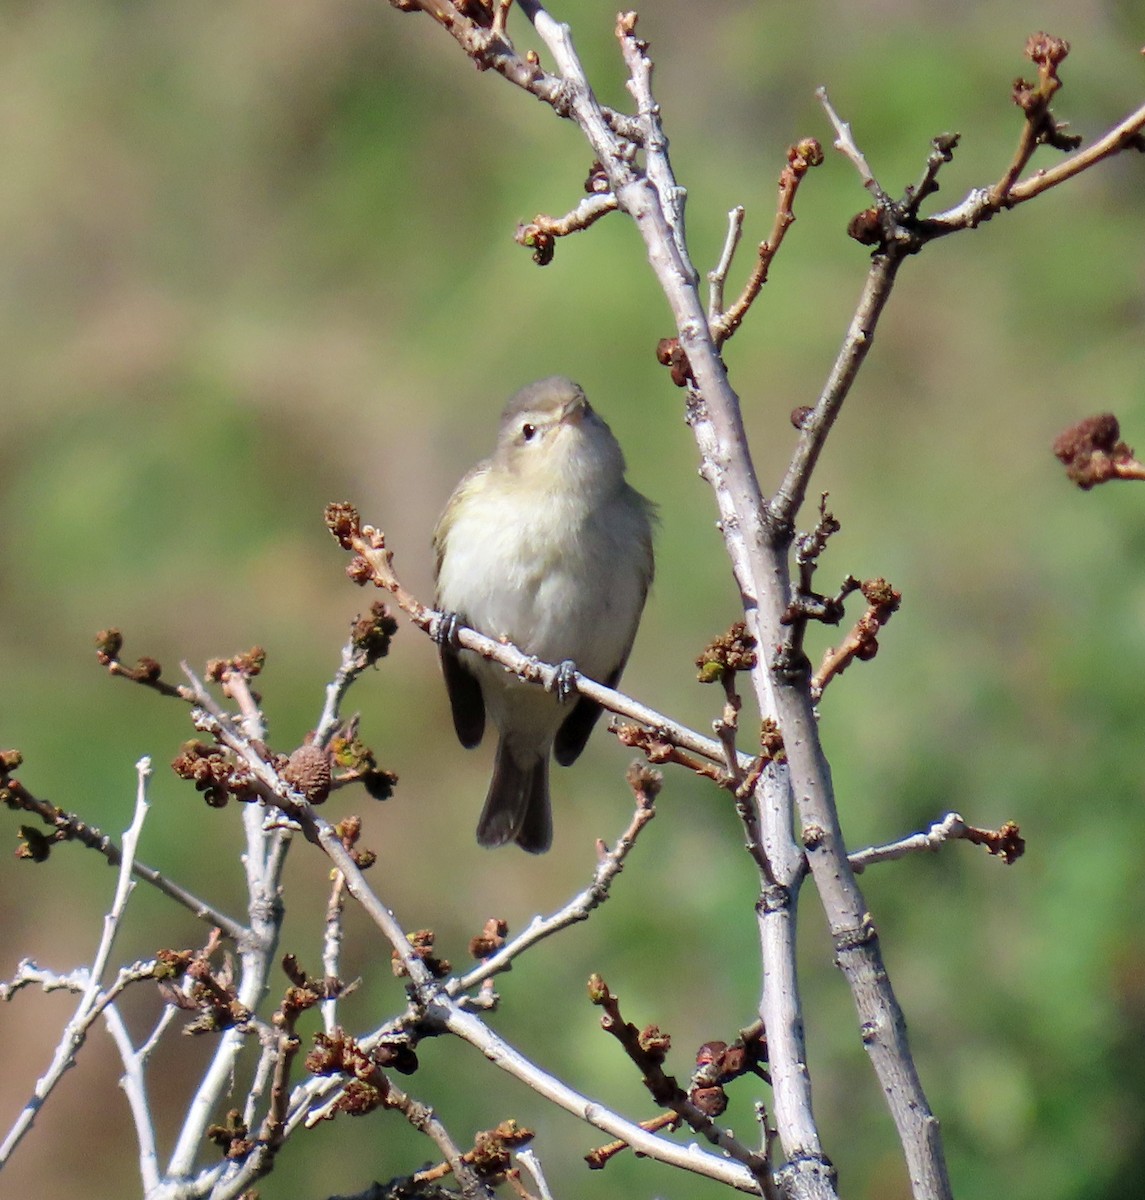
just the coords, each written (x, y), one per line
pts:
(444, 630)
(564, 682)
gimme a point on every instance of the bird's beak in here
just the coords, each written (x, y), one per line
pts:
(574, 411)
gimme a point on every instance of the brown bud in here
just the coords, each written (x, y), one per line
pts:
(710, 1100)
(598, 991)
(1092, 450)
(654, 1043)
(359, 570)
(542, 243)
(490, 939)
(1046, 50)
(644, 780)
(373, 632)
(343, 522)
(710, 1052)
(864, 227)
(805, 153)
(108, 644)
(147, 670)
(597, 181)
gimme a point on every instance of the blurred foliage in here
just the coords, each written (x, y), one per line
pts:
(258, 256)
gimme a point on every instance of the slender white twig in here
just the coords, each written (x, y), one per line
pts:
(577, 909)
(718, 277)
(352, 665)
(730, 1170)
(533, 1165)
(93, 999)
(950, 828)
(332, 946)
(263, 862)
(846, 145)
(134, 1084)
(148, 1048)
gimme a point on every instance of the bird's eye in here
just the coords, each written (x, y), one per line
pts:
(528, 432)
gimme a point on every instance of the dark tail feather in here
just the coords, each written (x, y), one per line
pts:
(517, 806)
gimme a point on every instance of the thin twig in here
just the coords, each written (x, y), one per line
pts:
(93, 999)
(610, 864)
(789, 496)
(1005, 842)
(540, 233)
(134, 1084)
(800, 158)
(717, 277)
(731, 1171)
(68, 826)
(332, 945)
(532, 1164)
(846, 145)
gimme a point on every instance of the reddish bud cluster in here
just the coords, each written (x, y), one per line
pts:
(771, 741)
(248, 665)
(344, 523)
(670, 354)
(730, 652)
(490, 939)
(1007, 842)
(1093, 453)
(542, 243)
(717, 1064)
(421, 943)
(644, 782)
(373, 632)
(1046, 50)
(804, 154)
(492, 1148)
(213, 774)
(210, 993)
(233, 1137)
(109, 645)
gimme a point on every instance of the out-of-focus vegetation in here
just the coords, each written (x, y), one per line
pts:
(257, 256)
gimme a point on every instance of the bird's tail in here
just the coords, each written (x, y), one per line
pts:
(517, 806)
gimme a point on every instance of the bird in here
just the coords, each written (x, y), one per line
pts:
(547, 546)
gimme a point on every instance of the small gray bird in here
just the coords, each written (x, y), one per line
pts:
(544, 545)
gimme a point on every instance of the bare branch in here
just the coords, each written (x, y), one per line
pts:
(800, 158)
(1006, 842)
(374, 564)
(579, 908)
(816, 424)
(690, 1158)
(93, 999)
(68, 826)
(846, 145)
(717, 277)
(540, 233)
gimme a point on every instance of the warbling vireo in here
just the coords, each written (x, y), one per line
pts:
(547, 546)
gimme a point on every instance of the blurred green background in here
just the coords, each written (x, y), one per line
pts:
(258, 256)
